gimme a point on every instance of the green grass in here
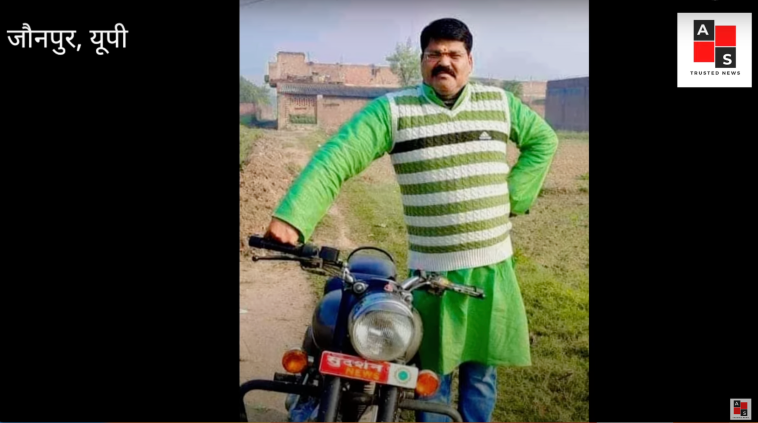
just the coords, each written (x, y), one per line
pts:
(302, 119)
(374, 214)
(584, 183)
(247, 120)
(573, 135)
(247, 140)
(327, 227)
(313, 140)
(556, 386)
(293, 169)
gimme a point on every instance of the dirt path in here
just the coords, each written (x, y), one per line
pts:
(276, 298)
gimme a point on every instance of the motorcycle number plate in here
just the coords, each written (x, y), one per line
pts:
(353, 367)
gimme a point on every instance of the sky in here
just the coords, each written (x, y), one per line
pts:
(513, 39)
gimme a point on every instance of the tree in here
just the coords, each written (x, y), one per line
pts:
(514, 87)
(406, 63)
(246, 91)
(251, 93)
(262, 95)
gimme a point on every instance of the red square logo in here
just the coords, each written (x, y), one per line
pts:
(743, 405)
(737, 410)
(726, 36)
(704, 51)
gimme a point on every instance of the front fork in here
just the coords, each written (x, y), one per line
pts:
(330, 399)
(389, 398)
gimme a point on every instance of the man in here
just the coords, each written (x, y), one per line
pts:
(447, 140)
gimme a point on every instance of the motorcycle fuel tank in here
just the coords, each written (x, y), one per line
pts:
(325, 317)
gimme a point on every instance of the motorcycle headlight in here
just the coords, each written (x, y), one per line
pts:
(382, 327)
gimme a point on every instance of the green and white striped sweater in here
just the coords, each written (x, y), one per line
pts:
(453, 175)
(457, 189)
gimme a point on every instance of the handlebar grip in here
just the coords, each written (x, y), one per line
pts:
(304, 250)
(469, 290)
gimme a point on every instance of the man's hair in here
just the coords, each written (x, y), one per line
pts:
(447, 29)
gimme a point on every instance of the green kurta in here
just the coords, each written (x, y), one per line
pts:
(456, 328)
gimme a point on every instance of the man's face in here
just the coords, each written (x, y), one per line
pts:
(446, 66)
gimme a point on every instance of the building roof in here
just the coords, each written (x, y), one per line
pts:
(583, 81)
(577, 78)
(330, 90)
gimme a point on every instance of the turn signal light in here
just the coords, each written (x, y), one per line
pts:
(295, 360)
(428, 383)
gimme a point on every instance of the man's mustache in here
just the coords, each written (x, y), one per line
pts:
(443, 69)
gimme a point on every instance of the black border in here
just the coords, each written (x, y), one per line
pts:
(674, 170)
(121, 283)
(120, 290)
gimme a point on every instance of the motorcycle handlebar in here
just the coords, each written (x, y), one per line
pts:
(468, 290)
(303, 250)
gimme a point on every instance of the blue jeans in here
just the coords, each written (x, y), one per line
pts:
(477, 393)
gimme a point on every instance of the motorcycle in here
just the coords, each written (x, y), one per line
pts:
(358, 357)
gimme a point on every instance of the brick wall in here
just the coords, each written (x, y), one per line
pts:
(532, 90)
(294, 67)
(281, 104)
(273, 71)
(301, 105)
(325, 73)
(290, 104)
(292, 64)
(261, 112)
(370, 76)
(334, 111)
(247, 109)
(265, 113)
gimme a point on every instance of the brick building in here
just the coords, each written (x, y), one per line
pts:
(292, 67)
(247, 109)
(327, 106)
(259, 112)
(567, 105)
(533, 94)
(533, 90)
(324, 94)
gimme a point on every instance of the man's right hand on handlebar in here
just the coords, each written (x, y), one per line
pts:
(281, 231)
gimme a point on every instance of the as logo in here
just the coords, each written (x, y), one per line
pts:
(716, 43)
(707, 50)
(739, 409)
